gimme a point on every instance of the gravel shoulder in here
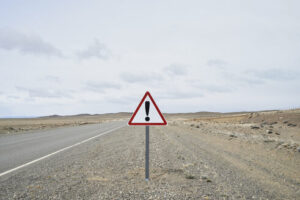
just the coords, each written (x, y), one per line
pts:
(185, 163)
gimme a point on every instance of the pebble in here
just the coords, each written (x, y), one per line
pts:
(285, 145)
(291, 125)
(268, 140)
(254, 127)
(269, 131)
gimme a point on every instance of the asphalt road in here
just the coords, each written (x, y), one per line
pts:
(19, 149)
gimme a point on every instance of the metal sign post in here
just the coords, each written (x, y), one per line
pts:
(147, 154)
(149, 116)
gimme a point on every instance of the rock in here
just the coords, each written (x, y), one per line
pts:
(285, 145)
(10, 128)
(298, 149)
(190, 177)
(197, 126)
(180, 158)
(272, 123)
(269, 131)
(233, 136)
(268, 140)
(254, 127)
(291, 125)
(250, 116)
(192, 125)
(277, 133)
(279, 144)
(294, 146)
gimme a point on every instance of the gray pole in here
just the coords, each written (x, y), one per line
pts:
(147, 155)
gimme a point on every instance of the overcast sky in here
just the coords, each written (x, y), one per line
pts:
(69, 57)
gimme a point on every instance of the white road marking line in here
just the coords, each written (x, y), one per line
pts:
(56, 152)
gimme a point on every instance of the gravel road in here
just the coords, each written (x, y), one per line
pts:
(185, 163)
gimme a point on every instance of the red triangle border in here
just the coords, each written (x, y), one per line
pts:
(130, 123)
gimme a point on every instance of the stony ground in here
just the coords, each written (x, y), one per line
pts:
(189, 159)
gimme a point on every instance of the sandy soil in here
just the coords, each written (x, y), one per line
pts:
(279, 128)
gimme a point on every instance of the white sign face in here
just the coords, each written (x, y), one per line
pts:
(147, 113)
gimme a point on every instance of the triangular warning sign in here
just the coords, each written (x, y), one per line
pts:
(147, 113)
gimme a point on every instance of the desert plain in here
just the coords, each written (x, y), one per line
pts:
(204, 155)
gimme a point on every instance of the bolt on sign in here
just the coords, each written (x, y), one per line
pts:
(148, 114)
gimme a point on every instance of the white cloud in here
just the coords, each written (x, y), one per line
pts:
(211, 88)
(275, 74)
(50, 78)
(28, 44)
(44, 92)
(216, 63)
(101, 86)
(95, 50)
(176, 70)
(140, 77)
(179, 94)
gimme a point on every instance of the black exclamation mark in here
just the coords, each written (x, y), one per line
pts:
(147, 107)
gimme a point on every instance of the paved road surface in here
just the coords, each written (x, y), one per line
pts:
(18, 149)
